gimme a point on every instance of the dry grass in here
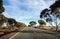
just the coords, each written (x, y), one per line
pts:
(6, 33)
(7, 36)
(49, 28)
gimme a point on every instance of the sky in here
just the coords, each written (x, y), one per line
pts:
(25, 10)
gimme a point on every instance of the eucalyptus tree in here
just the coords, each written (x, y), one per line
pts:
(41, 22)
(55, 11)
(3, 19)
(11, 21)
(19, 25)
(32, 23)
(46, 14)
(49, 17)
(2, 9)
(49, 20)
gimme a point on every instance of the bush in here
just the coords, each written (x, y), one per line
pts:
(4, 27)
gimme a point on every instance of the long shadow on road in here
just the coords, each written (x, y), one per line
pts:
(31, 31)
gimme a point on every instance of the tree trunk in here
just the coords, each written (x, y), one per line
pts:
(56, 25)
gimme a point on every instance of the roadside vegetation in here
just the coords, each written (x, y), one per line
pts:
(8, 26)
(49, 15)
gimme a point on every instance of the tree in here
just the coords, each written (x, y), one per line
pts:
(59, 23)
(44, 13)
(32, 23)
(19, 24)
(55, 11)
(29, 25)
(1, 7)
(11, 21)
(22, 24)
(1, 10)
(2, 19)
(48, 15)
(54, 7)
(41, 22)
(49, 20)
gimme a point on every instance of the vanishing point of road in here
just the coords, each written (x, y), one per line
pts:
(33, 33)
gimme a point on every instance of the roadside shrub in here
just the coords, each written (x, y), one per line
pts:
(4, 27)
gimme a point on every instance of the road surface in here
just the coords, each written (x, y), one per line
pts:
(32, 33)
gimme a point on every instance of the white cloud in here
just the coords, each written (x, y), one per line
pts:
(32, 9)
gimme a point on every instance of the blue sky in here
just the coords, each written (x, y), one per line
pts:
(25, 10)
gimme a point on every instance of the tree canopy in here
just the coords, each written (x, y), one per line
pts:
(11, 21)
(32, 23)
(19, 24)
(52, 12)
(41, 22)
(2, 9)
(55, 7)
(44, 13)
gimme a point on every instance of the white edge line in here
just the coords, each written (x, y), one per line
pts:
(13, 35)
(16, 34)
(23, 29)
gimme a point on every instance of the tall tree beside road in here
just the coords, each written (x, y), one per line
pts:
(55, 11)
(11, 21)
(2, 9)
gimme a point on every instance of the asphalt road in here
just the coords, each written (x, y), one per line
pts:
(32, 33)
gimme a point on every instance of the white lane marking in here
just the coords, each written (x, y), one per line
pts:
(14, 35)
(23, 29)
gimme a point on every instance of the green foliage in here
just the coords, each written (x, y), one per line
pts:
(1, 10)
(11, 21)
(54, 8)
(19, 24)
(29, 25)
(49, 20)
(32, 23)
(4, 27)
(44, 13)
(1, 7)
(55, 5)
(1, 19)
(1, 3)
(53, 11)
(41, 22)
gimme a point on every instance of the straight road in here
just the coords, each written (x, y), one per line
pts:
(33, 33)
